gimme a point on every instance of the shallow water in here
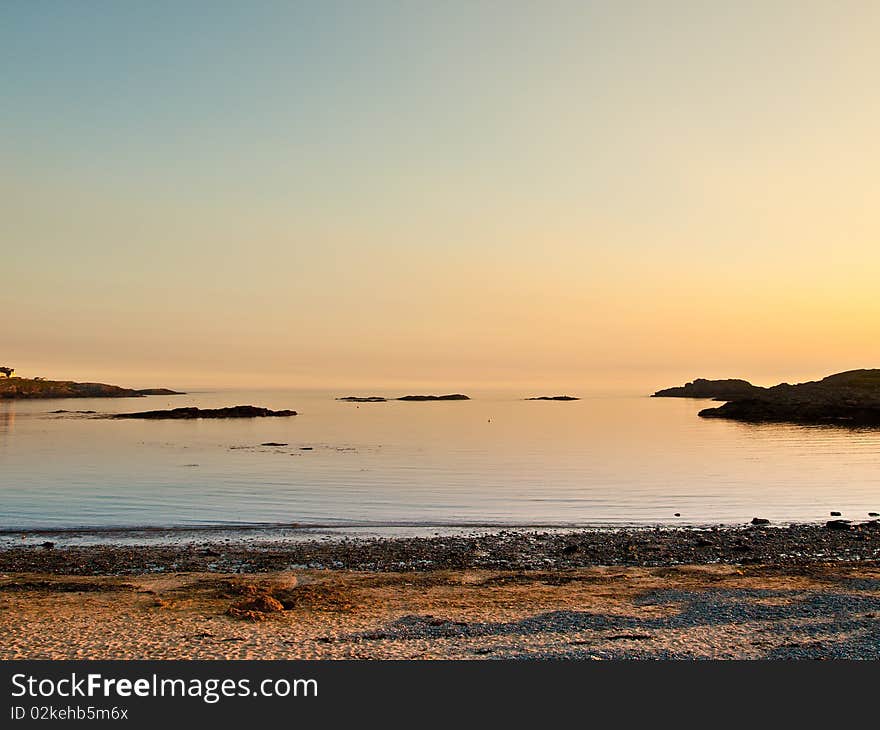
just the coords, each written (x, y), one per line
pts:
(496, 460)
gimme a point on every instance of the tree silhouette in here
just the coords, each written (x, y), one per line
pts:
(7, 371)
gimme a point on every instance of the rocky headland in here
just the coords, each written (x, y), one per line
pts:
(21, 388)
(851, 398)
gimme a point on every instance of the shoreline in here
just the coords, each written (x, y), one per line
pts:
(393, 528)
(525, 549)
(755, 592)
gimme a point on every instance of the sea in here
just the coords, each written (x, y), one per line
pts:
(496, 461)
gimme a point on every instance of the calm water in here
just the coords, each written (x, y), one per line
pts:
(494, 460)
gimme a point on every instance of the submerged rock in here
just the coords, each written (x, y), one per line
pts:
(189, 413)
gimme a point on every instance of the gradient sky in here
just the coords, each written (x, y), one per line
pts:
(544, 194)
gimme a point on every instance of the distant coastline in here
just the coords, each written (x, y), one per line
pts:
(30, 388)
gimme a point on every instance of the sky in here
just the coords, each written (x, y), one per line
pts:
(558, 195)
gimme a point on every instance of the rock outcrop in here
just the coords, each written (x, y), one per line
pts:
(190, 413)
(714, 389)
(382, 399)
(554, 397)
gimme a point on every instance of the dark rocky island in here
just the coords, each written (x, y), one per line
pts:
(850, 399)
(414, 398)
(191, 413)
(554, 397)
(21, 388)
(714, 389)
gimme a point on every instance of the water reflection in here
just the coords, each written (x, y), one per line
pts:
(493, 460)
(7, 417)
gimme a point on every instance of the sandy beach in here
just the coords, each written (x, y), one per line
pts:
(103, 602)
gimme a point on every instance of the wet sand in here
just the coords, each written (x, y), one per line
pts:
(799, 592)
